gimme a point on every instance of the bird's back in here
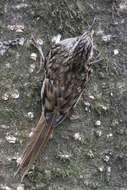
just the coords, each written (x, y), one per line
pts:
(65, 78)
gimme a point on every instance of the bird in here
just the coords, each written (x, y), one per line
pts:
(67, 69)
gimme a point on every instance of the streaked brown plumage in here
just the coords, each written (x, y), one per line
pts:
(67, 69)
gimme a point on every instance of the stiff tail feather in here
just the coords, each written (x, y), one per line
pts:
(38, 141)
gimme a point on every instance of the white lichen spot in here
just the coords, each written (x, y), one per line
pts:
(92, 97)
(122, 21)
(87, 104)
(108, 173)
(18, 160)
(99, 32)
(116, 51)
(81, 176)
(101, 168)
(109, 169)
(21, 41)
(30, 115)
(105, 108)
(106, 158)
(98, 123)
(90, 154)
(11, 27)
(5, 187)
(40, 42)
(86, 108)
(2, 51)
(56, 39)
(106, 38)
(11, 139)
(116, 23)
(32, 132)
(17, 27)
(32, 68)
(5, 96)
(33, 56)
(109, 135)
(99, 133)
(111, 94)
(8, 65)
(21, 5)
(123, 5)
(64, 156)
(77, 136)
(20, 187)
(15, 94)
(4, 126)
(19, 30)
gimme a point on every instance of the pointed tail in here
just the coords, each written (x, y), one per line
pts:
(38, 141)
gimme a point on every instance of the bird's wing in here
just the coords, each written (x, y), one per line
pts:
(62, 86)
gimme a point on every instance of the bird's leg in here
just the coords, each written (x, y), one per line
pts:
(39, 48)
(78, 99)
(96, 61)
(97, 58)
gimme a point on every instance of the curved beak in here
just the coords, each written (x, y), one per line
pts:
(92, 25)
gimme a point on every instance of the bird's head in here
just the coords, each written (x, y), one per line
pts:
(84, 46)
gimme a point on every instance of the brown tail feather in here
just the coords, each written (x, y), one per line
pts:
(38, 141)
